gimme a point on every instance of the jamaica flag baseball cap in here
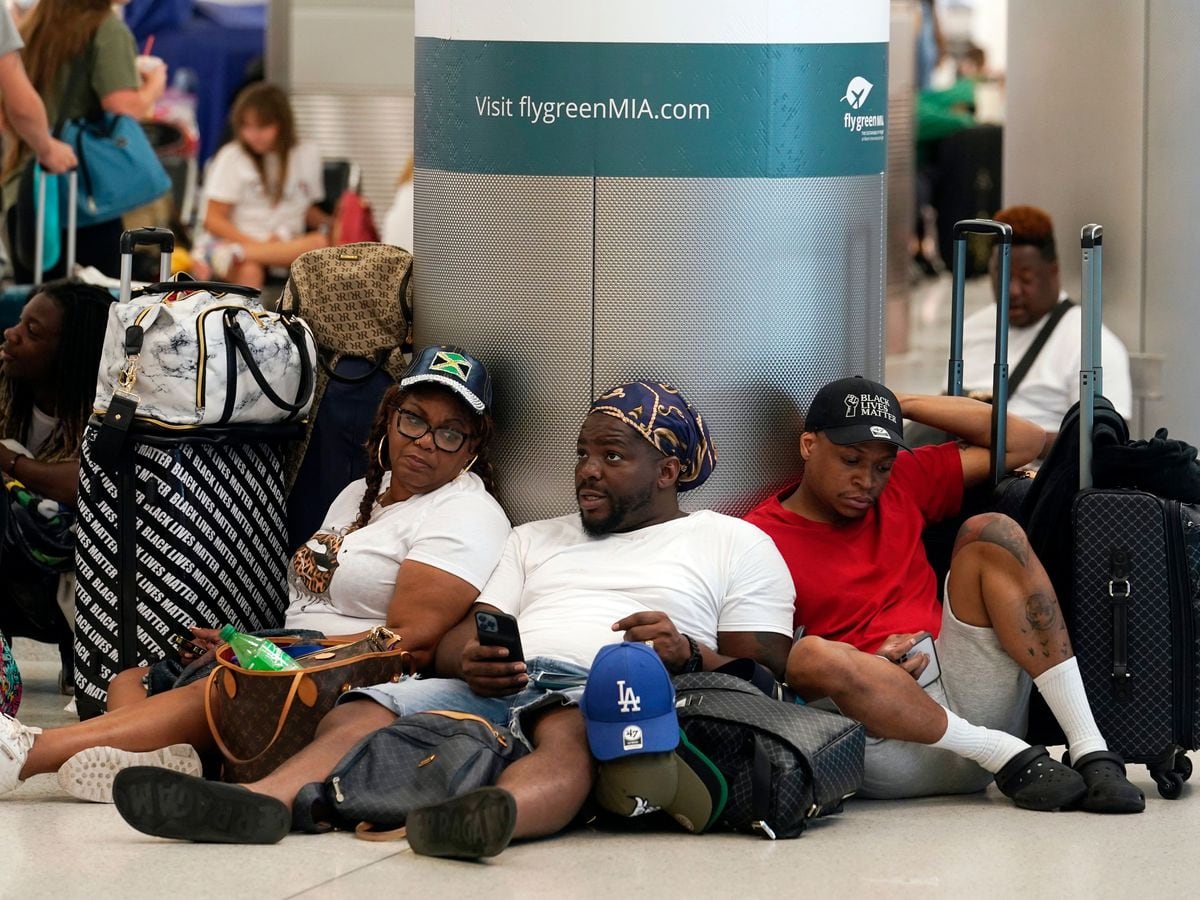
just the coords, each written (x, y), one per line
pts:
(453, 368)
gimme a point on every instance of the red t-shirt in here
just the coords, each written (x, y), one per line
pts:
(863, 581)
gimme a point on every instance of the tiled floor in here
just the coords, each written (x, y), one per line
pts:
(978, 846)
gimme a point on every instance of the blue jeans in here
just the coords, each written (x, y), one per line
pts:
(552, 682)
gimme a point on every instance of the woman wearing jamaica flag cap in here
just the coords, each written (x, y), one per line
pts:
(408, 546)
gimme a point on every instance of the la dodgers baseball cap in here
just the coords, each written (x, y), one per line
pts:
(856, 410)
(629, 703)
(453, 368)
(684, 783)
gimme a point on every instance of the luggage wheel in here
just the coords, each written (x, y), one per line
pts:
(1170, 770)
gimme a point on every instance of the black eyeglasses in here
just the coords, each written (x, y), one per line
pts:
(414, 428)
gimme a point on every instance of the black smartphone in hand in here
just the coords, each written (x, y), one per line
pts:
(186, 645)
(497, 629)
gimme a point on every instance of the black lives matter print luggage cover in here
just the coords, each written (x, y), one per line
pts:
(176, 533)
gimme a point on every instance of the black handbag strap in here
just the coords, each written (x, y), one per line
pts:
(1030, 356)
(297, 334)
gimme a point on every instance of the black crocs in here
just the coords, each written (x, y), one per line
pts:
(173, 805)
(477, 824)
(1108, 790)
(1032, 780)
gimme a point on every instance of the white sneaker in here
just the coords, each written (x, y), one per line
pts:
(89, 774)
(15, 741)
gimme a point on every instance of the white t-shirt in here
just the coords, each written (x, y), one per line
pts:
(398, 224)
(342, 581)
(41, 426)
(1052, 385)
(710, 573)
(232, 178)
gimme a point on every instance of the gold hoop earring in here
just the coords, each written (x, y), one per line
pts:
(379, 452)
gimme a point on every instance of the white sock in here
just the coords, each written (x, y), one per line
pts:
(986, 746)
(1062, 687)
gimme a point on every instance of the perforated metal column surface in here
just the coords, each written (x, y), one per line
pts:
(747, 294)
(690, 190)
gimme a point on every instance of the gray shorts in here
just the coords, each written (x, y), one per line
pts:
(979, 682)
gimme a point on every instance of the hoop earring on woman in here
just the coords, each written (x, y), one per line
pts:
(379, 453)
(467, 467)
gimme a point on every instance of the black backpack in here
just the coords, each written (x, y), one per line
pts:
(417, 761)
(783, 763)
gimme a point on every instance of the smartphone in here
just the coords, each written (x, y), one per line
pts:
(925, 645)
(185, 645)
(497, 629)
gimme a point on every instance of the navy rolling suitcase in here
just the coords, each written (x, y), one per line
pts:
(1136, 592)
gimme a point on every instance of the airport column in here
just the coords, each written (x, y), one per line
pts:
(686, 190)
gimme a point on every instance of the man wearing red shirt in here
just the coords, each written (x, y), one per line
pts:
(850, 532)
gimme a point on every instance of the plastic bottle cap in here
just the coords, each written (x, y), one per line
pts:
(227, 632)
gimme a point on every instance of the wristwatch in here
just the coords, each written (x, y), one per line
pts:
(694, 662)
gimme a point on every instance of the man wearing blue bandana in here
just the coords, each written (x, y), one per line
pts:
(699, 588)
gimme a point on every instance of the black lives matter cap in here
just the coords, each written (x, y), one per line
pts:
(856, 410)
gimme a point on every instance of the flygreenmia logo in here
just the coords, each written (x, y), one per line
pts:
(870, 127)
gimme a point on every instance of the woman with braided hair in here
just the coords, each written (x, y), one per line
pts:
(409, 546)
(48, 366)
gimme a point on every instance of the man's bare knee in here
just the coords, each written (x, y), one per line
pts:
(995, 530)
(562, 732)
(363, 715)
(817, 667)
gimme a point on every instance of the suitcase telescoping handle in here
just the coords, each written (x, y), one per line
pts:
(1091, 374)
(39, 240)
(137, 237)
(954, 381)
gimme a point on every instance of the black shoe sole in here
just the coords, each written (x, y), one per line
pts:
(472, 826)
(170, 804)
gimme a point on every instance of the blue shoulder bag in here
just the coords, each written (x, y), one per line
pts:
(118, 169)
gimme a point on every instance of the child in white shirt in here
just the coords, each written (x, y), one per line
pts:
(261, 192)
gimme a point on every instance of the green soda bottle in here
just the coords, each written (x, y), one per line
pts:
(257, 653)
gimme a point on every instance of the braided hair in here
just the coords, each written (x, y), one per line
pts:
(392, 398)
(73, 372)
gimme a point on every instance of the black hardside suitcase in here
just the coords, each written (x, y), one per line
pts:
(1136, 592)
(181, 529)
(1136, 576)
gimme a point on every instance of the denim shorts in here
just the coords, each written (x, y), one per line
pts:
(552, 683)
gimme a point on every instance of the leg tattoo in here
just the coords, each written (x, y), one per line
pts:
(1042, 614)
(999, 530)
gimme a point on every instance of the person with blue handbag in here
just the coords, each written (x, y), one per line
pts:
(83, 62)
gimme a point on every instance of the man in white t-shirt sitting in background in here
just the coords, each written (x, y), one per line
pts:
(1051, 385)
(700, 588)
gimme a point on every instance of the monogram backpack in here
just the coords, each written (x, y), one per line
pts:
(781, 763)
(417, 761)
(358, 301)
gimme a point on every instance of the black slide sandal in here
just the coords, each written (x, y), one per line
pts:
(1108, 790)
(168, 804)
(1032, 780)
